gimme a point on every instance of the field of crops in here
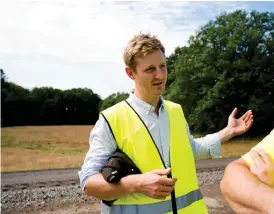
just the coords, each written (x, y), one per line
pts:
(50, 147)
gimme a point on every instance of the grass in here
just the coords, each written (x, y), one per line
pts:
(49, 147)
(17, 159)
(43, 147)
(236, 148)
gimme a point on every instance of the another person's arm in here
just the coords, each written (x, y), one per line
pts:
(244, 192)
(248, 182)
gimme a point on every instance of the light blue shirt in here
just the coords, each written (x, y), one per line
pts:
(102, 144)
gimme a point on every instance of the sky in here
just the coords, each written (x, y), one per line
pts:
(76, 44)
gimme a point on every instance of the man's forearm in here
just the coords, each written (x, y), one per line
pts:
(96, 186)
(244, 191)
(225, 135)
(240, 208)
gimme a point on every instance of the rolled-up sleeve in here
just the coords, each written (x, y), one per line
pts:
(101, 147)
(205, 147)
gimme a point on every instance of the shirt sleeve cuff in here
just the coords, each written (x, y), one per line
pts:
(214, 145)
(83, 181)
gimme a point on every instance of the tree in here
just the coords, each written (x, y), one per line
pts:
(112, 100)
(81, 106)
(228, 63)
(3, 76)
(47, 106)
(14, 106)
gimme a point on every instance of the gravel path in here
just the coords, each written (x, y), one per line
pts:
(69, 198)
(64, 177)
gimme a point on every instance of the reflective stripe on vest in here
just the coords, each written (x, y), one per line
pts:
(160, 207)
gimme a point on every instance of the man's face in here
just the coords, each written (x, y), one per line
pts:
(150, 75)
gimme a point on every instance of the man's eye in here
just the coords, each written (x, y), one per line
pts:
(163, 66)
(150, 69)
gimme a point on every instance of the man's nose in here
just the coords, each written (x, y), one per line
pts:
(159, 74)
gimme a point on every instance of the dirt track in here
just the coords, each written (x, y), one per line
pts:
(12, 182)
(58, 177)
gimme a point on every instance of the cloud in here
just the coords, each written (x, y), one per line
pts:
(94, 31)
(67, 36)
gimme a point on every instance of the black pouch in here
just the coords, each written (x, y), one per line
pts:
(118, 166)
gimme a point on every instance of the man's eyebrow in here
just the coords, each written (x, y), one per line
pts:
(150, 66)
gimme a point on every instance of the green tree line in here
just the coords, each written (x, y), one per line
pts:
(46, 105)
(49, 106)
(227, 63)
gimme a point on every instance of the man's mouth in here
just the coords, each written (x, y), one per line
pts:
(157, 83)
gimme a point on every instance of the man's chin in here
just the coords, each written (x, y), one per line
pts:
(160, 92)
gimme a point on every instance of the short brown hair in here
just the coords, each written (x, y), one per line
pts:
(141, 45)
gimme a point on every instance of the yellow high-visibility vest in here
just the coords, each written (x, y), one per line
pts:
(267, 144)
(133, 138)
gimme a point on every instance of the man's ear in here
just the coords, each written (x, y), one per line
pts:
(130, 73)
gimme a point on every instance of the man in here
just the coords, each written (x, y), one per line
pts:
(248, 183)
(154, 134)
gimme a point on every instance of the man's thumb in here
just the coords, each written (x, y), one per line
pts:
(162, 171)
(233, 113)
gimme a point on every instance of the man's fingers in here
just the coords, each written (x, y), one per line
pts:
(264, 156)
(249, 124)
(254, 170)
(162, 171)
(245, 115)
(168, 181)
(164, 188)
(161, 194)
(248, 117)
(258, 161)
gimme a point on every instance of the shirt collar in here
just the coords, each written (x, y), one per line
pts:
(146, 107)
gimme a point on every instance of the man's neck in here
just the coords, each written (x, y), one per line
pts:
(152, 101)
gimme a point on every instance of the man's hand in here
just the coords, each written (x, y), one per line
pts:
(236, 126)
(241, 125)
(154, 185)
(263, 166)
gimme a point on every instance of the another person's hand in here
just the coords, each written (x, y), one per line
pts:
(241, 125)
(263, 166)
(155, 185)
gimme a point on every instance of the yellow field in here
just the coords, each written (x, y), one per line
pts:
(43, 147)
(48, 147)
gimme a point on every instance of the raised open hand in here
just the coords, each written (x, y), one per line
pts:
(241, 125)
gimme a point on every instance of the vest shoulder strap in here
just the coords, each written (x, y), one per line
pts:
(111, 111)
